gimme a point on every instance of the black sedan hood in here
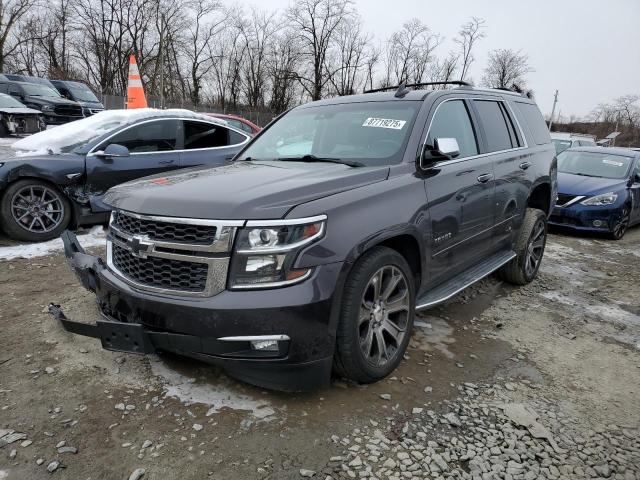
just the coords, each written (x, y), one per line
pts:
(242, 190)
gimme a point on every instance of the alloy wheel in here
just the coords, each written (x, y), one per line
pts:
(535, 248)
(621, 223)
(37, 208)
(384, 315)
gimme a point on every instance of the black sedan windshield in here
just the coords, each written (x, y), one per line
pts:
(369, 134)
(593, 164)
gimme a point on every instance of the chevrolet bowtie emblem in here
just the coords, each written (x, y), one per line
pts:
(139, 247)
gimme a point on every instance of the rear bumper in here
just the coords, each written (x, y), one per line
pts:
(219, 329)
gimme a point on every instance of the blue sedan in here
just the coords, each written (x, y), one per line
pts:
(598, 190)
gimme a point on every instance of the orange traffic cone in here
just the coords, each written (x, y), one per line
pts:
(135, 92)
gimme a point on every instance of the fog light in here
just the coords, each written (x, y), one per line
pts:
(265, 345)
(598, 223)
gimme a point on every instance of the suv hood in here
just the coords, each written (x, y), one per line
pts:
(240, 191)
(49, 100)
(571, 184)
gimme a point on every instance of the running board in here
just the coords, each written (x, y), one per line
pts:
(470, 276)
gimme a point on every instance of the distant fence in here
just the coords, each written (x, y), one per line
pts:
(258, 116)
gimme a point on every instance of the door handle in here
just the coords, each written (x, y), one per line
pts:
(166, 162)
(525, 165)
(485, 177)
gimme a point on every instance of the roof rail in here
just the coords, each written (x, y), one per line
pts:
(403, 88)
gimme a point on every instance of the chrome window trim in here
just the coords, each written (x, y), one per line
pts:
(287, 221)
(480, 155)
(214, 121)
(572, 201)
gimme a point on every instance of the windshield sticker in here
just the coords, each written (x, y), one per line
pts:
(612, 162)
(384, 123)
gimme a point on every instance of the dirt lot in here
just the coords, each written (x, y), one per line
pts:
(500, 382)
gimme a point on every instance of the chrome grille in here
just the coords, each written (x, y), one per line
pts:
(170, 255)
(170, 232)
(161, 272)
(563, 199)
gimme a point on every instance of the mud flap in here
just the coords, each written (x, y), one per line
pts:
(85, 267)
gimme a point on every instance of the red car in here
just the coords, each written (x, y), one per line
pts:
(238, 122)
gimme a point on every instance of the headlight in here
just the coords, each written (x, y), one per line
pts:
(265, 252)
(604, 199)
(47, 108)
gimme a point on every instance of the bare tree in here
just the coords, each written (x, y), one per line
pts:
(409, 52)
(443, 70)
(469, 34)
(11, 12)
(315, 23)
(345, 70)
(257, 32)
(506, 68)
(283, 60)
(206, 22)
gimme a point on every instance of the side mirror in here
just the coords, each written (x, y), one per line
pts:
(114, 150)
(443, 149)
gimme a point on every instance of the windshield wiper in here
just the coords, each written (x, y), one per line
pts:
(313, 158)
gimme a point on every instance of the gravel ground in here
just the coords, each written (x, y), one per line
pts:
(500, 382)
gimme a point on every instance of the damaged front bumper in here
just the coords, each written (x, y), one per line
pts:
(223, 330)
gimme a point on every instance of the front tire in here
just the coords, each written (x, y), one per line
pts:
(620, 224)
(529, 248)
(34, 211)
(376, 316)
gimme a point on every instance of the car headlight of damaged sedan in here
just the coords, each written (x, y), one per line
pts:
(265, 252)
(603, 199)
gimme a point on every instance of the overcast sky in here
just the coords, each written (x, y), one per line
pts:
(587, 49)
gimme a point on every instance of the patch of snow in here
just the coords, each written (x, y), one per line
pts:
(216, 397)
(72, 135)
(604, 312)
(7, 141)
(94, 238)
(4, 474)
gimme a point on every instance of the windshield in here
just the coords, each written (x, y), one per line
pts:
(369, 133)
(83, 94)
(561, 145)
(9, 102)
(36, 90)
(594, 164)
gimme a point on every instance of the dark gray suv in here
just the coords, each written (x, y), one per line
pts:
(311, 252)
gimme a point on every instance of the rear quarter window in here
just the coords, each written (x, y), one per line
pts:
(532, 117)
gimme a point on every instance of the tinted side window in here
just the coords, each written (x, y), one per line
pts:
(536, 123)
(158, 136)
(495, 126)
(452, 120)
(205, 135)
(235, 137)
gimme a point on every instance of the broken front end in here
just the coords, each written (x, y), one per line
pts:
(22, 123)
(163, 292)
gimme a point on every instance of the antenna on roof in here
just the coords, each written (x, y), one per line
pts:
(402, 90)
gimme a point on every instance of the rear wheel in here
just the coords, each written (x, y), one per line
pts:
(34, 211)
(620, 223)
(530, 244)
(376, 316)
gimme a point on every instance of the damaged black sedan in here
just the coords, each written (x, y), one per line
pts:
(17, 119)
(58, 176)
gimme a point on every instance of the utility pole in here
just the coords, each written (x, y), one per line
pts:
(162, 61)
(553, 110)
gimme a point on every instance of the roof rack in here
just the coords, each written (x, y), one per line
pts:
(403, 88)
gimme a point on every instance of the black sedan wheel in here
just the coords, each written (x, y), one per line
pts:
(620, 224)
(376, 316)
(34, 211)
